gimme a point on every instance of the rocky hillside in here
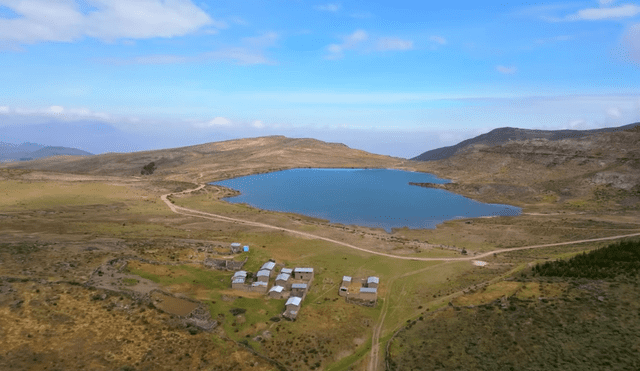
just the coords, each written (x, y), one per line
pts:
(504, 135)
(596, 171)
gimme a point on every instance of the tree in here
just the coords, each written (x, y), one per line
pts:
(148, 169)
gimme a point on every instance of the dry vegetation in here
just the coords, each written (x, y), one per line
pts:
(63, 221)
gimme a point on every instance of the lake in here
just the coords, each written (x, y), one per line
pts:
(379, 198)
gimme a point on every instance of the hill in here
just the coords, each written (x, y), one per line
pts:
(503, 135)
(218, 160)
(595, 172)
(579, 314)
(30, 151)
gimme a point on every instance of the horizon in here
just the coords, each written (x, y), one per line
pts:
(396, 79)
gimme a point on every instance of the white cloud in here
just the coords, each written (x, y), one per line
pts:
(631, 43)
(506, 70)
(63, 21)
(605, 2)
(258, 124)
(239, 55)
(392, 43)
(331, 7)
(55, 109)
(349, 42)
(614, 113)
(219, 121)
(438, 40)
(4, 109)
(594, 14)
(265, 40)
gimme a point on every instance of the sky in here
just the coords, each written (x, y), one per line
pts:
(390, 77)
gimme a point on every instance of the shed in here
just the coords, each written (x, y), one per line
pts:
(373, 282)
(236, 247)
(298, 289)
(303, 273)
(286, 270)
(240, 274)
(246, 248)
(263, 275)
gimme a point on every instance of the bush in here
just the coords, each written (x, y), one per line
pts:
(148, 169)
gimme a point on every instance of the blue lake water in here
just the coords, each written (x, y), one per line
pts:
(368, 197)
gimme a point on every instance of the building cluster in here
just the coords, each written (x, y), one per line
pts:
(363, 291)
(290, 283)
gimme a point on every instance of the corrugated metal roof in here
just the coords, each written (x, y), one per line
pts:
(303, 270)
(236, 244)
(240, 274)
(286, 270)
(259, 284)
(346, 278)
(373, 280)
(268, 265)
(263, 272)
(276, 289)
(283, 277)
(238, 280)
(299, 286)
(369, 289)
(294, 300)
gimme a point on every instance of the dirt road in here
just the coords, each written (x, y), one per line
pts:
(210, 216)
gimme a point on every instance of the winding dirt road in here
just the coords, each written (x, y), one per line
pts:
(374, 358)
(210, 216)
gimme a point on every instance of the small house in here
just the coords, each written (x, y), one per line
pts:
(259, 287)
(346, 281)
(368, 293)
(268, 266)
(283, 280)
(236, 247)
(298, 289)
(263, 275)
(292, 307)
(305, 274)
(238, 283)
(277, 292)
(288, 271)
(373, 282)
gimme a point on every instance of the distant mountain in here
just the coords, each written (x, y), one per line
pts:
(503, 135)
(32, 151)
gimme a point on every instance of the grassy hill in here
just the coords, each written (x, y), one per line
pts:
(212, 161)
(551, 319)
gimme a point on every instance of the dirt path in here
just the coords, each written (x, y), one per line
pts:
(210, 216)
(374, 357)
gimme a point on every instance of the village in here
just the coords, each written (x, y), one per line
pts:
(277, 281)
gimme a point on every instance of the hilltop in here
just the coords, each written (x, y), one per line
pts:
(219, 160)
(501, 136)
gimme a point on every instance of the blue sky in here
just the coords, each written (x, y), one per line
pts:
(396, 78)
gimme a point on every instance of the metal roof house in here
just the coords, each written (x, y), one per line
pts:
(286, 270)
(268, 266)
(303, 273)
(373, 282)
(292, 306)
(259, 286)
(368, 293)
(277, 292)
(283, 279)
(240, 274)
(263, 275)
(298, 289)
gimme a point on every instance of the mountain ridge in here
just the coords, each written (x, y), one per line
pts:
(503, 135)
